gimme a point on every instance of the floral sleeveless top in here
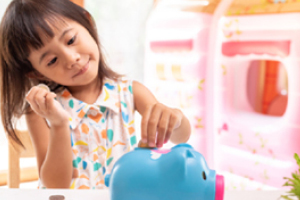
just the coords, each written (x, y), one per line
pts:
(101, 132)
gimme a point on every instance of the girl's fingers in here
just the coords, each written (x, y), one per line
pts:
(50, 100)
(30, 94)
(30, 97)
(152, 125)
(34, 107)
(43, 103)
(144, 124)
(158, 124)
(167, 137)
(162, 128)
(178, 117)
(40, 100)
(174, 123)
(36, 97)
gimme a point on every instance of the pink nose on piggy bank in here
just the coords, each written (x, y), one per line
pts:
(219, 187)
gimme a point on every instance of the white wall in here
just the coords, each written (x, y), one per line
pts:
(121, 27)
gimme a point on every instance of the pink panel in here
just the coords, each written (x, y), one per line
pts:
(277, 48)
(228, 90)
(198, 142)
(264, 172)
(184, 95)
(174, 45)
(198, 121)
(280, 144)
(253, 83)
(201, 42)
(192, 71)
(292, 114)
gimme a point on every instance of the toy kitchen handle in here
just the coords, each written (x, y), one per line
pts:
(219, 187)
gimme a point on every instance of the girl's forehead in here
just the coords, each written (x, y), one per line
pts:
(56, 24)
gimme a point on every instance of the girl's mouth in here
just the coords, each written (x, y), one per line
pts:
(83, 70)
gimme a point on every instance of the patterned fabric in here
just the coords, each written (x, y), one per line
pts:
(101, 132)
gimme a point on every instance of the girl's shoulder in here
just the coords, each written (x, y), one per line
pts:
(120, 80)
(120, 83)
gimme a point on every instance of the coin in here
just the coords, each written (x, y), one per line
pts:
(43, 86)
(144, 145)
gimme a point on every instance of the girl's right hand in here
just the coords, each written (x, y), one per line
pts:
(42, 102)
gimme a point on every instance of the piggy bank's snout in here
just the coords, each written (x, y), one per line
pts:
(219, 187)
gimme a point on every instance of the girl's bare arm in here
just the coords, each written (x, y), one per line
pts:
(52, 145)
(53, 151)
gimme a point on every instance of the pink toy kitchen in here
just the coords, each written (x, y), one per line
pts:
(233, 68)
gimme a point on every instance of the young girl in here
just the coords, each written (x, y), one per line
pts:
(85, 122)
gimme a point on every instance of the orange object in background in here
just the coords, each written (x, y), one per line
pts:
(267, 87)
(270, 86)
(79, 2)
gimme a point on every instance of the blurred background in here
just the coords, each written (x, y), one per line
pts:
(232, 66)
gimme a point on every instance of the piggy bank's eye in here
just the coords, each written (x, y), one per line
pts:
(203, 175)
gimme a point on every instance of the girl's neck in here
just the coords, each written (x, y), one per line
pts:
(88, 93)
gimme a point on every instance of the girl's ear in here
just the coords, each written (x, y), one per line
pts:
(36, 75)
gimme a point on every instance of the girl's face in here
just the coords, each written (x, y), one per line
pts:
(70, 58)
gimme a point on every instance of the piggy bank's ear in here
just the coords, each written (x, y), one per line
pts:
(175, 166)
(189, 154)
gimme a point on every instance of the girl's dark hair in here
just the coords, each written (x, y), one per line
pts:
(20, 30)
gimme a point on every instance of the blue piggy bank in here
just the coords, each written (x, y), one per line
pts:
(175, 174)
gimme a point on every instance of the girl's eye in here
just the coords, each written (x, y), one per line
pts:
(72, 40)
(52, 61)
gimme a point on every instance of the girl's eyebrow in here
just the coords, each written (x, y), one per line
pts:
(43, 56)
(64, 33)
(47, 52)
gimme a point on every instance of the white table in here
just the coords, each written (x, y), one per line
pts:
(32, 194)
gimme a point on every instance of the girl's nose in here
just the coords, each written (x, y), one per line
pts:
(72, 58)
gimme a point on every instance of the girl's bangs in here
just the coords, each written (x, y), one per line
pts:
(38, 28)
(32, 30)
(32, 23)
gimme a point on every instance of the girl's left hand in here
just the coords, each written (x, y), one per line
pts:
(158, 123)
